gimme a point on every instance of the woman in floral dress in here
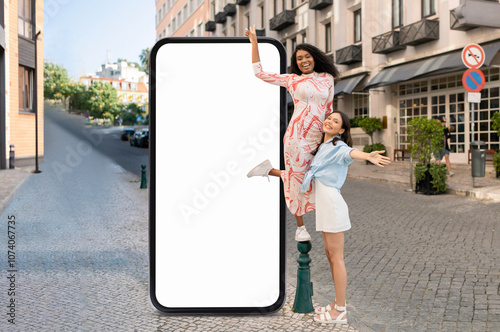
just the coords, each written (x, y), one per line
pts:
(311, 87)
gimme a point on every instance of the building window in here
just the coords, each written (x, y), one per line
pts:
(361, 109)
(294, 3)
(164, 11)
(25, 18)
(357, 26)
(185, 12)
(262, 23)
(247, 20)
(397, 13)
(304, 37)
(124, 86)
(275, 7)
(490, 104)
(25, 89)
(328, 37)
(284, 5)
(428, 8)
(200, 29)
(294, 43)
(408, 110)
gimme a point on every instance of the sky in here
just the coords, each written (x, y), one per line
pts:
(78, 34)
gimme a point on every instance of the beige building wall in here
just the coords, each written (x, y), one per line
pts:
(376, 19)
(20, 127)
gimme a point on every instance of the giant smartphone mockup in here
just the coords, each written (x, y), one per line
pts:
(217, 237)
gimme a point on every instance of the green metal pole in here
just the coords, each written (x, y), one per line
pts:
(144, 182)
(303, 295)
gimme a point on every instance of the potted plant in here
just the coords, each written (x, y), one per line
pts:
(370, 126)
(425, 138)
(495, 125)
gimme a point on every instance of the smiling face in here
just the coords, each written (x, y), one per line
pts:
(305, 61)
(333, 125)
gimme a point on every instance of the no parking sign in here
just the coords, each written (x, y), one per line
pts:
(473, 79)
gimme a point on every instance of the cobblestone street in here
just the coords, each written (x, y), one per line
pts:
(414, 262)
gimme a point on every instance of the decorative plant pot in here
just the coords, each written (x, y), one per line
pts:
(425, 186)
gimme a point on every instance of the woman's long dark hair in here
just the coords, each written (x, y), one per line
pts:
(322, 62)
(345, 136)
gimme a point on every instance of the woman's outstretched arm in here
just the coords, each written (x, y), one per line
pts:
(374, 157)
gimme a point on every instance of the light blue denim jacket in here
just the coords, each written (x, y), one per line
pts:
(329, 165)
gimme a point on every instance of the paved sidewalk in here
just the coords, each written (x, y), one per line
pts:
(486, 188)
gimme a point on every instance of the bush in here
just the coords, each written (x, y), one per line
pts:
(354, 122)
(496, 161)
(375, 147)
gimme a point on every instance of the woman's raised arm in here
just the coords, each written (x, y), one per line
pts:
(255, 46)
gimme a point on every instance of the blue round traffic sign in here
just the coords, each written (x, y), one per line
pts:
(473, 80)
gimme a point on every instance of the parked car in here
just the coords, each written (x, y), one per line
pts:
(134, 138)
(127, 133)
(143, 139)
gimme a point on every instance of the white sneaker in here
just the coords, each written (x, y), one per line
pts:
(302, 235)
(261, 169)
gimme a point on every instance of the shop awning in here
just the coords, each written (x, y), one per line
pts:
(346, 85)
(436, 65)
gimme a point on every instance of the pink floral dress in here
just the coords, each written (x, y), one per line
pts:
(312, 97)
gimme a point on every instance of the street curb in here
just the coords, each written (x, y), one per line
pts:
(9, 197)
(451, 191)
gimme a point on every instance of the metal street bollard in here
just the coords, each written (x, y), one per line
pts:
(303, 295)
(144, 182)
(12, 157)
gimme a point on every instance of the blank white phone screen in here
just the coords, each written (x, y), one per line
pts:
(216, 230)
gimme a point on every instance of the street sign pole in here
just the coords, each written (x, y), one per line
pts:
(473, 81)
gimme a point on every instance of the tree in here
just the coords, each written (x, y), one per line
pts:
(77, 97)
(425, 137)
(130, 112)
(495, 122)
(102, 100)
(55, 80)
(370, 125)
(144, 57)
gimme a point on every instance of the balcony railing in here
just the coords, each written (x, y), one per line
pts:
(420, 32)
(220, 17)
(319, 4)
(242, 2)
(349, 55)
(210, 26)
(386, 43)
(260, 32)
(230, 9)
(282, 20)
(472, 14)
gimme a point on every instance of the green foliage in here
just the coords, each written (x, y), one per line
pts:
(495, 122)
(370, 125)
(496, 161)
(425, 137)
(438, 175)
(437, 172)
(420, 172)
(129, 113)
(77, 97)
(354, 122)
(144, 57)
(375, 147)
(55, 81)
(102, 101)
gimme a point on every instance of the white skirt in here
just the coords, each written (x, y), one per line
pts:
(332, 214)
